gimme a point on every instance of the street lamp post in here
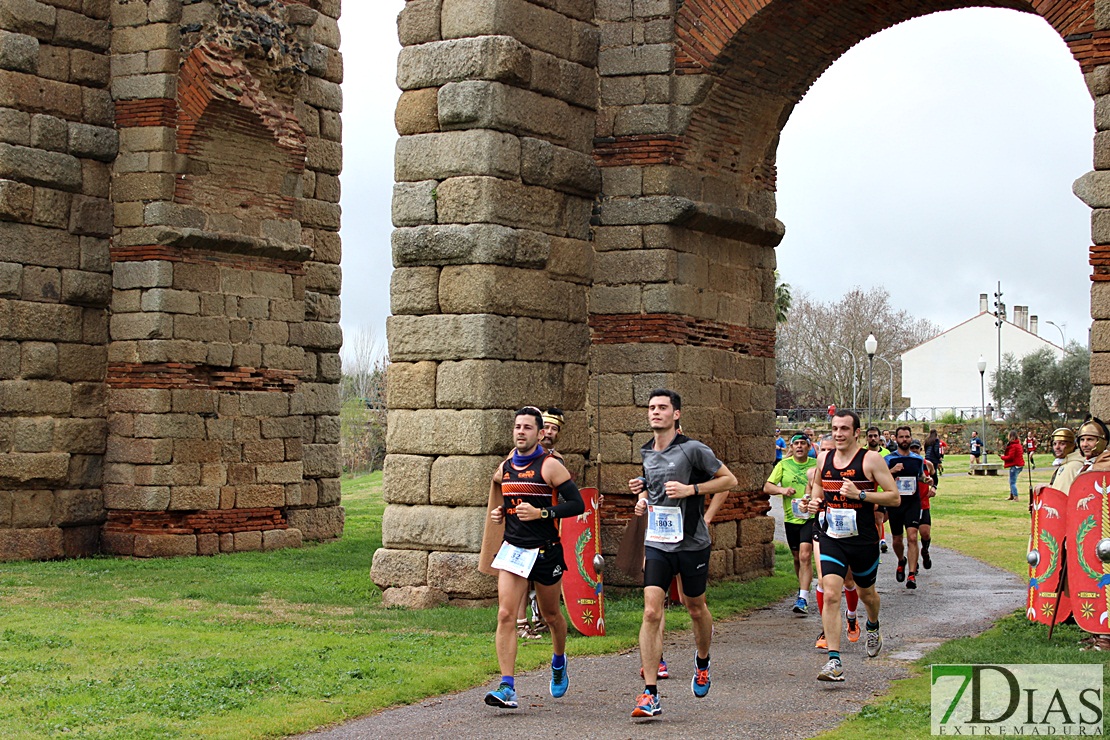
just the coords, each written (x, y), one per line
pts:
(1060, 328)
(853, 356)
(982, 365)
(891, 368)
(870, 345)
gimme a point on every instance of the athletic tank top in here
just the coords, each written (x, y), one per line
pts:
(527, 485)
(831, 480)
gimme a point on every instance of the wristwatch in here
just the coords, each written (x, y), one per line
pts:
(863, 495)
(545, 513)
(696, 491)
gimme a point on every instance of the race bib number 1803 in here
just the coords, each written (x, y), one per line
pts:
(664, 524)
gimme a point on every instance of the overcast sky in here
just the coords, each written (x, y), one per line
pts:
(935, 158)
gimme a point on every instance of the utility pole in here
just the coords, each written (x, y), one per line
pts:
(999, 320)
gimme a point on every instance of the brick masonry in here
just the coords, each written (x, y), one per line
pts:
(169, 302)
(675, 251)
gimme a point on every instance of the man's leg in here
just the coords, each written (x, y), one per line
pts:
(912, 554)
(805, 567)
(701, 621)
(651, 631)
(832, 585)
(548, 599)
(511, 589)
(870, 598)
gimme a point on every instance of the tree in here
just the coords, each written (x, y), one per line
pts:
(362, 393)
(782, 299)
(1044, 388)
(814, 368)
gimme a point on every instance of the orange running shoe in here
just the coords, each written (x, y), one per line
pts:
(821, 643)
(853, 629)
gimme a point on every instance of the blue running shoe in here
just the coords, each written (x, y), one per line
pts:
(504, 697)
(647, 706)
(699, 684)
(559, 681)
(801, 606)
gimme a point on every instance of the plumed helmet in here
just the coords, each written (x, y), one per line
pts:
(1094, 427)
(1066, 435)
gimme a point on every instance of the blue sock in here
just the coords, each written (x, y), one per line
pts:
(872, 626)
(559, 661)
(509, 680)
(834, 655)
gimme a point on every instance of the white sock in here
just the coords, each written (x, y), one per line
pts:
(802, 594)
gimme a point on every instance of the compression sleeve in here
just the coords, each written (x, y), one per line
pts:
(572, 504)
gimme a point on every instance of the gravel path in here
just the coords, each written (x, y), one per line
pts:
(764, 671)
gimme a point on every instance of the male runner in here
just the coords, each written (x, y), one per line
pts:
(975, 447)
(907, 470)
(926, 490)
(875, 444)
(851, 595)
(553, 420)
(528, 484)
(849, 476)
(678, 473)
(788, 479)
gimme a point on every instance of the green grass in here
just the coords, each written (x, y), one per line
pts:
(971, 515)
(254, 644)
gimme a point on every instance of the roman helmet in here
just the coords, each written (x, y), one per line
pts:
(1066, 435)
(1094, 427)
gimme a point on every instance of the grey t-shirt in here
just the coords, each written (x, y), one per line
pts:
(687, 461)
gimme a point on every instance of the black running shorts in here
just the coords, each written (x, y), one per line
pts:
(838, 555)
(661, 567)
(796, 534)
(549, 566)
(906, 515)
(926, 517)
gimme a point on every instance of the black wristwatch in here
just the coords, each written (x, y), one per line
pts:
(695, 489)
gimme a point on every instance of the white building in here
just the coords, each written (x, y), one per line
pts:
(943, 372)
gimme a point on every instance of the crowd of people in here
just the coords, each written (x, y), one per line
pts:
(839, 494)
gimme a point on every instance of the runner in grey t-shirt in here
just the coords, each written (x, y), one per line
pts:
(678, 473)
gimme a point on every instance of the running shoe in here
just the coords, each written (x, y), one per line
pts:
(882, 544)
(822, 643)
(699, 684)
(524, 630)
(833, 671)
(660, 672)
(874, 643)
(853, 629)
(647, 706)
(801, 606)
(504, 697)
(911, 580)
(900, 574)
(926, 560)
(559, 680)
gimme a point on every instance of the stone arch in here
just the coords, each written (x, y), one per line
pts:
(678, 255)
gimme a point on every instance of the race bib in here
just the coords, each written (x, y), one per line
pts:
(906, 484)
(841, 523)
(796, 508)
(664, 524)
(516, 560)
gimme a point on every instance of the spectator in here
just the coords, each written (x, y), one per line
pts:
(780, 445)
(1014, 460)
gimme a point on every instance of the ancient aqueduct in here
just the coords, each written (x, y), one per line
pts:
(585, 209)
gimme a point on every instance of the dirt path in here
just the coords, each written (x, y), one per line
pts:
(764, 672)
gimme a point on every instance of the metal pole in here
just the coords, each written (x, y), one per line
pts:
(870, 362)
(983, 407)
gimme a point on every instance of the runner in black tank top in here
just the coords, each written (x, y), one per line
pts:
(831, 480)
(527, 485)
(850, 539)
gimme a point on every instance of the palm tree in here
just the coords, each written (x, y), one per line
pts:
(782, 299)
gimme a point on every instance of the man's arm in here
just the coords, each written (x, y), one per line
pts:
(723, 482)
(772, 486)
(874, 466)
(497, 513)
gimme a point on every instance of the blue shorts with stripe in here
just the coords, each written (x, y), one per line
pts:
(838, 555)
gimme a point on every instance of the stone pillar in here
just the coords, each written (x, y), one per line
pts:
(56, 143)
(222, 364)
(492, 208)
(684, 291)
(1094, 190)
